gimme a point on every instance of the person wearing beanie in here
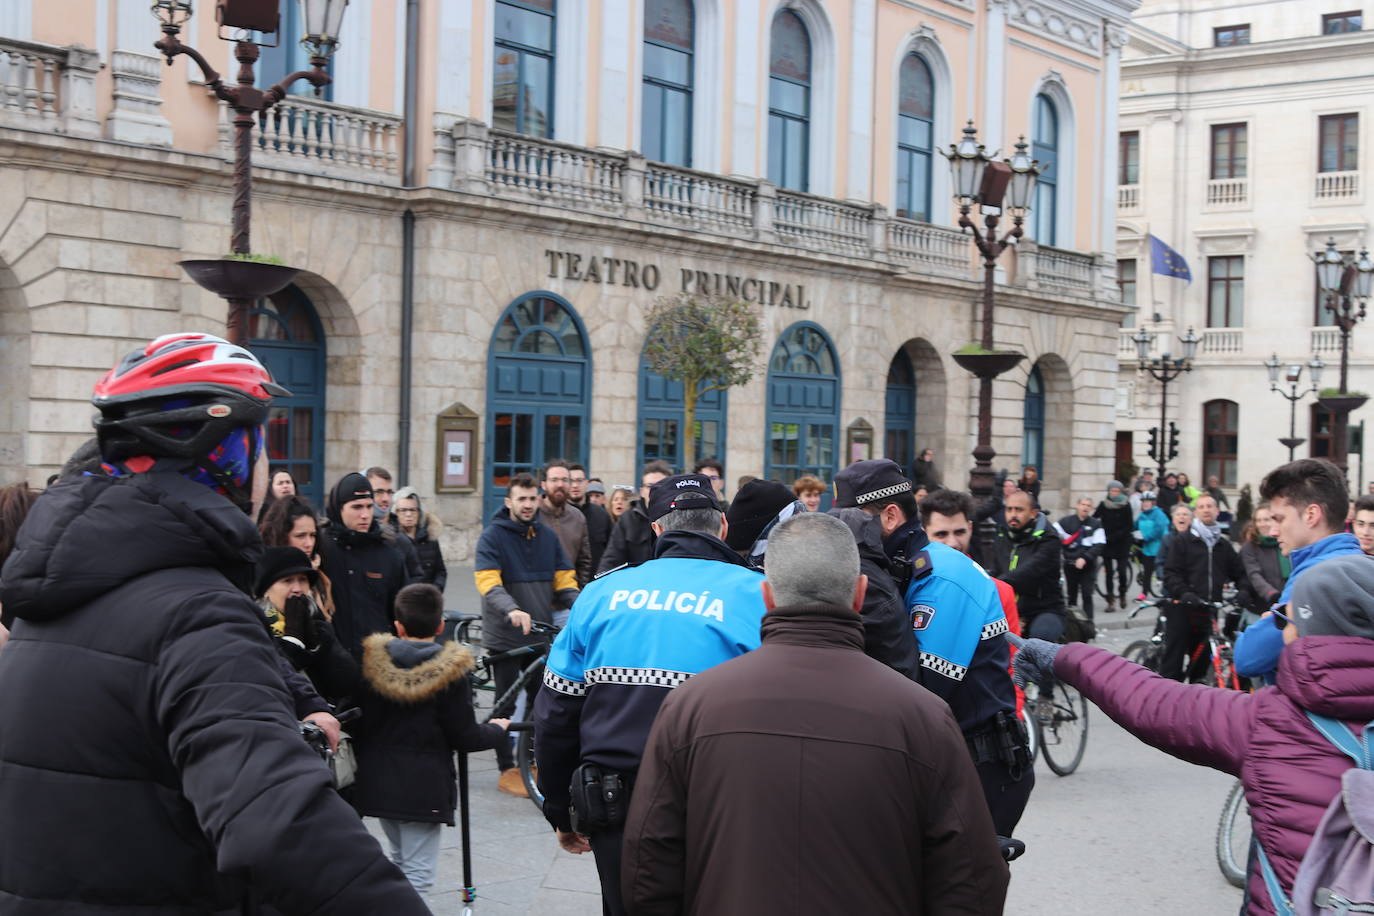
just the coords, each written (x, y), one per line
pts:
(363, 564)
(174, 779)
(285, 581)
(1267, 739)
(1118, 525)
(754, 511)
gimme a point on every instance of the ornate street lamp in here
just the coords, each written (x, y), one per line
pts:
(241, 280)
(979, 179)
(1345, 284)
(1164, 369)
(1292, 374)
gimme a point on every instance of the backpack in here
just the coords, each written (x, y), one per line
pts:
(1337, 871)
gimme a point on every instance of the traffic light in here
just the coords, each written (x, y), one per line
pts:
(1173, 441)
(1154, 445)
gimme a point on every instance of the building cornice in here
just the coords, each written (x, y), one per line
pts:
(1308, 49)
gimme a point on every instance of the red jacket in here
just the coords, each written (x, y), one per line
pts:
(1291, 773)
(1008, 596)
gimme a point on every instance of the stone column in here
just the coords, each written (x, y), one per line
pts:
(860, 128)
(1105, 284)
(137, 116)
(441, 162)
(78, 91)
(994, 122)
(470, 156)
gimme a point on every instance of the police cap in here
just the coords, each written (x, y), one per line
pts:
(865, 482)
(682, 491)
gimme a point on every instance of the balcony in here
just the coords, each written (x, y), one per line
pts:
(472, 157)
(1228, 193)
(1222, 341)
(1128, 198)
(1338, 186)
(1326, 340)
(48, 88)
(308, 134)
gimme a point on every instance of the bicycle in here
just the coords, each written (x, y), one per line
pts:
(1234, 836)
(1058, 726)
(1211, 661)
(483, 683)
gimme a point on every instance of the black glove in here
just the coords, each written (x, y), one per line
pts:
(298, 615)
(1190, 598)
(1035, 660)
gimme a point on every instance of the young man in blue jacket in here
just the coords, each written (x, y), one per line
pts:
(636, 633)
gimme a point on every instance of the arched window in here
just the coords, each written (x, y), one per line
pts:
(538, 390)
(661, 416)
(669, 34)
(1220, 437)
(803, 405)
(899, 422)
(522, 83)
(789, 103)
(915, 138)
(284, 332)
(1045, 147)
(1033, 422)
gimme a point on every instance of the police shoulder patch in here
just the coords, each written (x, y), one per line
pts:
(921, 565)
(921, 616)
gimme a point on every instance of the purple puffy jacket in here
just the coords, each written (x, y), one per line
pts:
(1291, 773)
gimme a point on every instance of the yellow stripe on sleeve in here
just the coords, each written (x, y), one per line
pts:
(564, 578)
(487, 579)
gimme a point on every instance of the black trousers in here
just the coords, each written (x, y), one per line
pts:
(606, 849)
(1147, 575)
(1007, 797)
(504, 673)
(1081, 580)
(1122, 565)
(1185, 627)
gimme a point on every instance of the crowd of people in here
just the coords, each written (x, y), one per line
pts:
(704, 725)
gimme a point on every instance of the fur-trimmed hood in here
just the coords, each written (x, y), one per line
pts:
(412, 672)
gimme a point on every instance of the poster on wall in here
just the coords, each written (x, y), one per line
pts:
(456, 437)
(457, 471)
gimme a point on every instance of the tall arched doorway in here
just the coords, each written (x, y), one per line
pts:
(803, 406)
(284, 332)
(1033, 423)
(899, 417)
(539, 385)
(660, 421)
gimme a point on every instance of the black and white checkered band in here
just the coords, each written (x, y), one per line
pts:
(941, 666)
(563, 685)
(637, 677)
(996, 628)
(884, 493)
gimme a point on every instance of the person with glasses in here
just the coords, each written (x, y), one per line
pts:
(632, 541)
(598, 520)
(714, 471)
(423, 529)
(384, 496)
(567, 521)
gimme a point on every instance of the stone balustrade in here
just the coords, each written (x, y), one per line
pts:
(1128, 198)
(324, 138)
(471, 157)
(49, 88)
(1338, 185)
(1326, 340)
(1221, 341)
(1223, 193)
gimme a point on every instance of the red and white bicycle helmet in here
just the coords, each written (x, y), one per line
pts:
(180, 396)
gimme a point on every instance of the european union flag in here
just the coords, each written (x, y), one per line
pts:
(1164, 260)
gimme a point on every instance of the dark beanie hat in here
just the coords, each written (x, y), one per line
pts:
(279, 562)
(755, 504)
(350, 487)
(1335, 598)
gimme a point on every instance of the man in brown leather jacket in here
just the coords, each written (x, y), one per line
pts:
(811, 796)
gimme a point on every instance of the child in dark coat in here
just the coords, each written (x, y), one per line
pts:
(417, 710)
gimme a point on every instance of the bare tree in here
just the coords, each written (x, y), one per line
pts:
(708, 343)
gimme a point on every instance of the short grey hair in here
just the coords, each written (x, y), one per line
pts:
(812, 559)
(702, 521)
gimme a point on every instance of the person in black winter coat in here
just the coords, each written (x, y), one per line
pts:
(423, 529)
(1201, 563)
(363, 564)
(298, 627)
(417, 710)
(1082, 538)
(150, 757)
(888, 636)
(1118, 524)
(1027, 555)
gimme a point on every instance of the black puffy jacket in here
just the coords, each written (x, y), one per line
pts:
(888, 636)
(366, 570)
(149, 757)
(1028, 560)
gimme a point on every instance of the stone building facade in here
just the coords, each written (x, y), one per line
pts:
(1243, 146)
(535, 257)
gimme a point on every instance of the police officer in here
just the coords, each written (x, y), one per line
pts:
(634, 634)
(957, 619)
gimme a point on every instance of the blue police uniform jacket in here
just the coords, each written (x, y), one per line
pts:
(634, 634)
(957, 619)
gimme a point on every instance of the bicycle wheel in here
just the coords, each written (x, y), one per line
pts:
(1027, 719)
(524, 759)
(1233, 836)
(1064, 731)
(1143, 652)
